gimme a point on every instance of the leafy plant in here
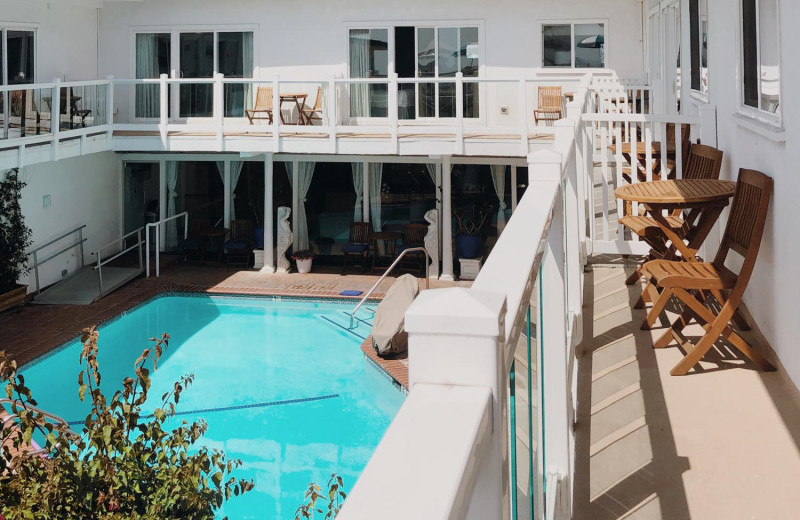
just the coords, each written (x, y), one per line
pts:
(123, 464)
(335, 497)
(15, 237)
(304, 254)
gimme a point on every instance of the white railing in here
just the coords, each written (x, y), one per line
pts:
(38, 262)
(448, 449)
(157, 226)
(119, 246)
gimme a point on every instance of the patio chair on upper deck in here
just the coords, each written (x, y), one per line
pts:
(357, 247)
(263, 105)
(310, 114)
(692, 282)
(549, 109)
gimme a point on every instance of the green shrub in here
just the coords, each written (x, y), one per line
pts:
(15, 237)
(123, 464)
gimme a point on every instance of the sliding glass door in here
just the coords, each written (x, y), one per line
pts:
(197, 61)
(152, 60)
(235, 58)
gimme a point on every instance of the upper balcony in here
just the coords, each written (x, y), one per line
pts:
(462, 116)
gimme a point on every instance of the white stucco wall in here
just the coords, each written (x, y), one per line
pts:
(771, 294)
(82, 190)
(66, 36)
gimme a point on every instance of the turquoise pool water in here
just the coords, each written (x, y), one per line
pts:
(309, 404)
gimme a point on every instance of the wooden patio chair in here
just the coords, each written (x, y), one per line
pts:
(695, 282)
(357, 246)
(310, 114)
(550, 102)
(194, 244)
(413, 236)
(658, 172)
(240, 244)
(263, 105)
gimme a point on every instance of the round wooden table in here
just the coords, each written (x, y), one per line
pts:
(704, 198)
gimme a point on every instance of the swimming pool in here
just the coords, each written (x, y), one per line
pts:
(281, 388)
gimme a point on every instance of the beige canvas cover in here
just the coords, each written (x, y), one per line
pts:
(388, 335)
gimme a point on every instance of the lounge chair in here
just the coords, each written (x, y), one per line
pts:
(310, 114)
(357, 247)
(550, 104)
(694, 283)
(263, 105)
(240, 244)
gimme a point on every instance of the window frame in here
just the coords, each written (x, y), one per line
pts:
(572, 23)
(759, 114)
(422, 24)
(26, 27)
(174, 58)
(702, 95)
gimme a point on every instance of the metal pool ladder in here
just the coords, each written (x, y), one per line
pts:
(389, 270)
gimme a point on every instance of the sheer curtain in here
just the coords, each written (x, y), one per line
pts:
(172, 183)
(359, 68)
(147, 96)
(499, 181)
(236, 172)
(375, 183)
(358, 186)
(305, 172)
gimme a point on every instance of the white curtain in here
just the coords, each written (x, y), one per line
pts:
(172, 183)
(375, 183)
(236, 172)
(359, 68)
(432, 173)
(305, 172)
(147, 96)
(358, 186)
(499, 181)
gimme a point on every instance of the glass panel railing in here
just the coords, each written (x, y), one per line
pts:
(25, 112)
(83, 106)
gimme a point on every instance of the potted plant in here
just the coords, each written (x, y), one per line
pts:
(469, 238)
(15, 239)
(304, 259)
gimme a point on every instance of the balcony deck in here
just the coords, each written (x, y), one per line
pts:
(722, 442)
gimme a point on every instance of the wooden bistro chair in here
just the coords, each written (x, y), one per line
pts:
(240, 244)
(194, 244)
(310, 114)
(357, 246)
(703, 162)
(263, 105)
(658, 174)
(692, 282)
(549, 105)
(414, 236)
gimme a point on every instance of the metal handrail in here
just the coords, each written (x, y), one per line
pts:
(101, 263)
(34, 252)
(53, 417)
(157, 226)
(389, 270)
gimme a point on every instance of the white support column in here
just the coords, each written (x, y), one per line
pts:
(295, 204)
(514, 195)
(162, 202)
(470, 325)
(439, 204)
(269, 241)
(226, 189)
(365, 195)
(545, 166)
(447, 221)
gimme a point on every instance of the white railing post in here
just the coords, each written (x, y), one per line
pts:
(468, 324)
(523, 115)
(459, 113)
(219, 110)
(447, 221)
(269, 253)
(55, 116)
(546, 166)
(109, 109)
(394, 117)
(163, 112)
(276, 115)
(331, 113)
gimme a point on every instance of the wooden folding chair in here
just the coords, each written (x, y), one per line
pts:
(263, 105)
(357, 247)
(240, 244)
(413, 236)
(549, 105)
(692, 281)
(310, 114)
(658, 172)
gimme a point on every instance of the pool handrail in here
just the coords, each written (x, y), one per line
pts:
(157, 226)
(389, 270)
(34, 252)
(53, 417)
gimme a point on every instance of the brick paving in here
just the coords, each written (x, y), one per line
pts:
(33, 330)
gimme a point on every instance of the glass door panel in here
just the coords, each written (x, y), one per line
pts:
(426, 68)
(447, 56)
(235, 58)
(196, 61)
(469, 64)
(20, 57)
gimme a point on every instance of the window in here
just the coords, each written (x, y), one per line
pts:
(761, 55)
(698, 25)
(199, 55)
(17, 49)
(578, 45)
(414, 52)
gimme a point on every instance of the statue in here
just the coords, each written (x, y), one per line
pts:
(432, 241)
(284, 238)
